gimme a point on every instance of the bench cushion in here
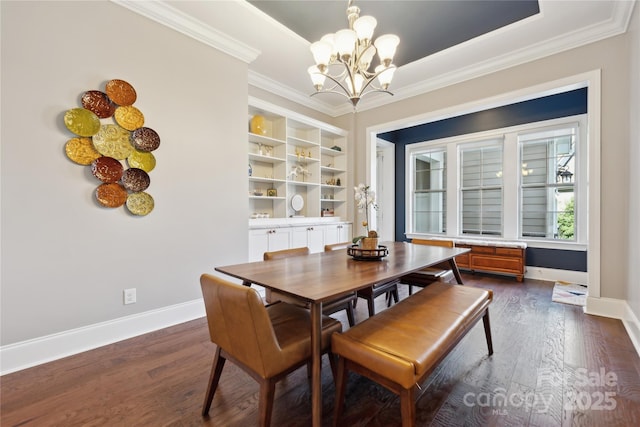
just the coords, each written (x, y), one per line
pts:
(406, 341)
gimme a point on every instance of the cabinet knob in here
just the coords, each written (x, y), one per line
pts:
(310, 229)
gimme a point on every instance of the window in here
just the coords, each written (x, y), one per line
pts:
(525, 182)
(429, 193)
(481, 190)
(547, 195)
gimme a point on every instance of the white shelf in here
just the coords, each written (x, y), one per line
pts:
(305, 183)
(331, 152)
(266, 180)
(266, 159)
(301, 142)
(267, 197)
(300, 159)
(265, 140)
(291, 141)
(330, 169)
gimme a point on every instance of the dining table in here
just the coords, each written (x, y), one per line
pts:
(325, 276)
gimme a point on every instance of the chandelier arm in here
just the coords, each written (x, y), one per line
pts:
(337, 82)
(331, 91)
(371, 79)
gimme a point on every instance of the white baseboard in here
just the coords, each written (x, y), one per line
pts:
(617, 309)
(607, 307)
(552, 275)
(25, 354)
(632, 325)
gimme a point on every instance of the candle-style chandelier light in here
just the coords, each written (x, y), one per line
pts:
(345, 58)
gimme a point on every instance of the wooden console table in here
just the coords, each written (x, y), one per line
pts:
(493, 257)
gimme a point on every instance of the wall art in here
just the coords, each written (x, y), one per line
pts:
(110, 138)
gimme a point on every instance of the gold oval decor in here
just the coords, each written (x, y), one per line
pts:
(129, 117)
(142, 160)
(140, 203)
(102, 146)
(81, 151)
(113, 141)
(82, 122)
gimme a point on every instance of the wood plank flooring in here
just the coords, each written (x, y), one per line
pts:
(543, 373)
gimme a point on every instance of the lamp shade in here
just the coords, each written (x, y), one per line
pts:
(366, 58)
(316, 76)
(330, 38)
(345, 42)
(364, 27)
(321, 52)
(386, 46)
(386, 75)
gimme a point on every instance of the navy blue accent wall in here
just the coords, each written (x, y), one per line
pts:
(557, 258)
(546, 108)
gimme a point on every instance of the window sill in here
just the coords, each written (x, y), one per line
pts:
(567, 246)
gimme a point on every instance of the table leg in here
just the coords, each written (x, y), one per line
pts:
(456, 272)
(316, 364)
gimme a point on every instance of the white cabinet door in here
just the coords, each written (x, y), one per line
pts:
(315, 239)
(331, 234)
(308, 236)
(267, 240)
(344, 233)
(337, 233)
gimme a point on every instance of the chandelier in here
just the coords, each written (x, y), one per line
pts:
(345, 58)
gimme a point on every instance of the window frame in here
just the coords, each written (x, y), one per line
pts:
(511, 225)
(479, 146)
(445, 190)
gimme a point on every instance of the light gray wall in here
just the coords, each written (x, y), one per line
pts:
(633, 289)
(612, 57)
(65, 260)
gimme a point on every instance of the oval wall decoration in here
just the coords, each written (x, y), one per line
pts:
(108, 130)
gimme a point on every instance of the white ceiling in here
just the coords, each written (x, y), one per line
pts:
(278, 58)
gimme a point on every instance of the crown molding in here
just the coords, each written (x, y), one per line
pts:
(173, 18)
(185, 24)
(617, 25)
(262, 82)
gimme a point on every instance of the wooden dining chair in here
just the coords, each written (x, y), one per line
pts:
(437, 273)
(267, 343)
(329, 307)
(390, 289)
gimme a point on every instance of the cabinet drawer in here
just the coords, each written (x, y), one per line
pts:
(463, 260)
(515, 252)
(483, 250)
(493, 263)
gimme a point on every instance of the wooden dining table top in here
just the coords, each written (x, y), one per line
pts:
(324, 276)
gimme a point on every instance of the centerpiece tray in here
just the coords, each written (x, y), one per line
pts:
(362, 254)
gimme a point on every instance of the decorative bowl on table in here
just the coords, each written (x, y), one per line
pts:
(362, 254)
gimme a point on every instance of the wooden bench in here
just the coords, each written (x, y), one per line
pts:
(400, 347)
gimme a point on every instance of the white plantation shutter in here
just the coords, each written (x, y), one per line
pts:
(481, 190)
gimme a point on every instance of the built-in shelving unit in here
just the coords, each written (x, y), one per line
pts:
(295, 155)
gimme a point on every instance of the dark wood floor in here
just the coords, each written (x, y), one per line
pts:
(545, 353)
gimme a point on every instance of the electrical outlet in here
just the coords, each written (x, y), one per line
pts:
(130, 296)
